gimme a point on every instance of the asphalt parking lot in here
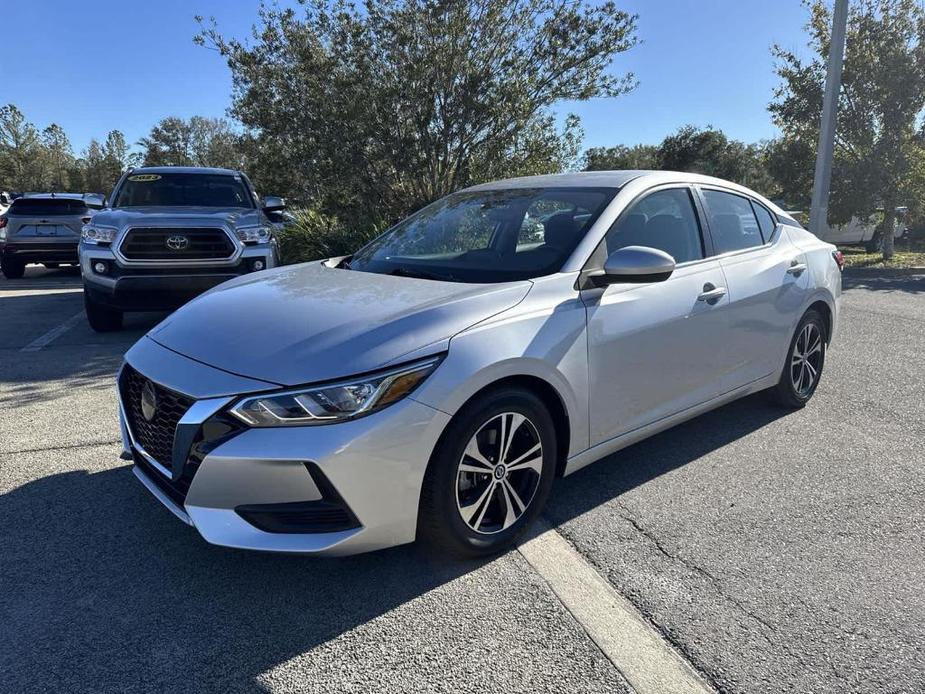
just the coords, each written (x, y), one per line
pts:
(776, 551)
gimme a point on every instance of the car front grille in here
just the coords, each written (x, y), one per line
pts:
(155, 436)
(159, 243)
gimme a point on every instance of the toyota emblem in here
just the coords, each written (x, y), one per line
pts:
(148, 401)
(177, 243)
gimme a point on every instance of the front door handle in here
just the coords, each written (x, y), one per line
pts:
(711, 294)
(796, 268)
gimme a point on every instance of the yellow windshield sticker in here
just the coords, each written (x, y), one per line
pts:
(144, 177)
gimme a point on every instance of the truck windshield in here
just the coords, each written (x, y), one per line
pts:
(487, 236)
(183, 190)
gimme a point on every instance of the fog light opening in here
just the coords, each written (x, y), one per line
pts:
(258, 265)
(100, 268)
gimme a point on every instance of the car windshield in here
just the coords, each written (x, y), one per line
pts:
(487, 236)
(183, 190)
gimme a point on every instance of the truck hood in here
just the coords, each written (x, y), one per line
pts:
(152, 216)
(308, 323)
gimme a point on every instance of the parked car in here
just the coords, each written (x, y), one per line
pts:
(41, 228)
(863, 232)
(434, 383)
(169, 234)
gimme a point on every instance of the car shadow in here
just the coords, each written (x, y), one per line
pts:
(103, 590)
(885, 281)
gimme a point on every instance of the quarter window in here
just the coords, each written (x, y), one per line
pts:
(732, 222)
(665, 220)
(765, 221)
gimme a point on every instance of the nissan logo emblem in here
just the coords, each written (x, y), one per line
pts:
(148, 401)
(177, 243)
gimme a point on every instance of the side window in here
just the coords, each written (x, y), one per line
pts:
(765, 221)
(732, 221)
(665, 220)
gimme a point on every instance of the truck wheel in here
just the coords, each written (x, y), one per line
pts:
(12, 268)
(102, 318)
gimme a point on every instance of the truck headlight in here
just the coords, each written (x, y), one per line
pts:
(256, 234)
(335, 402)
(94, 234)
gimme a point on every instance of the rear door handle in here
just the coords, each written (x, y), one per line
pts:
(711, 294)
(796, 268)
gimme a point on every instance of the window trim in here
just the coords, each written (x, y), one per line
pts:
(775, 235)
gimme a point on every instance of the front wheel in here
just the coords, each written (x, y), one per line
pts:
(805, 359)
(490, 475)
(102, 318)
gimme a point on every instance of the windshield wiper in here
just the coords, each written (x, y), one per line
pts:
(421, 274)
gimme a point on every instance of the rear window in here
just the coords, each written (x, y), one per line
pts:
(47, 207)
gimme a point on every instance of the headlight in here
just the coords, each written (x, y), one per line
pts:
(258, 234)
(92, 234)
(336, 402)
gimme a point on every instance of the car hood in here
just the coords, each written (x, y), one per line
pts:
(308, 323)
(152, 216)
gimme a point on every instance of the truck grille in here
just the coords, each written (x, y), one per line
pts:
(157, 243)
(156, 436)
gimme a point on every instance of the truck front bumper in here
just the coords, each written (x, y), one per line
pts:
(160, 288)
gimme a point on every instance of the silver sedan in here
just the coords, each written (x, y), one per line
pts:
(436, 382)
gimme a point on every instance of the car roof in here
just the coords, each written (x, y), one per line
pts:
(618, 179)
(184, 169)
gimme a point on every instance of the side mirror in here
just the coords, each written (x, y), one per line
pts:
(272, 203)
(636, 264)
(95, 201)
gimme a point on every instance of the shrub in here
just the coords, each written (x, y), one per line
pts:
(314, 235)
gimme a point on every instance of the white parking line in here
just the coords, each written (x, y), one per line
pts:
(633, 645)
(53, 334)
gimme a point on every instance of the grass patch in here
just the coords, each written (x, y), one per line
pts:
(902, 258)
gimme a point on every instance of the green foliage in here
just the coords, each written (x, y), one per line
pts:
(697, 150)
(380, 108)
(198, 141)
(44, 161)
(878, 144)
(314, 235)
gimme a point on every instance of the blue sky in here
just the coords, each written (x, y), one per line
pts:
(95, 65)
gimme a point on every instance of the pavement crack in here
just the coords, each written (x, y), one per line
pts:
(717, 584)
(88, 444)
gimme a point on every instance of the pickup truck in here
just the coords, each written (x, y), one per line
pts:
(167, 234)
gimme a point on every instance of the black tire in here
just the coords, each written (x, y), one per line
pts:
(786, 393)
(102, 318)
(12, 268)
(440, 521)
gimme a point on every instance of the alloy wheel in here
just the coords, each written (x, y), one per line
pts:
(806, 360)
(499, 473)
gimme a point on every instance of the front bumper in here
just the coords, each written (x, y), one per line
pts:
(160, 288)
(254, 488)
(41, 250)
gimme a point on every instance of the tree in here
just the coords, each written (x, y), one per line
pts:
(877, 144)
(58, 158)
(621, 157)
(691, 149)
(20, 151)
(200, 141)
(379, 109)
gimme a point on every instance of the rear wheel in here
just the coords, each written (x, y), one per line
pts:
(102, 318)
(805, 359)
(490, 475)
(12, 268)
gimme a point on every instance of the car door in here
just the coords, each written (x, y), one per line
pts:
(766, 279)
(656, 349)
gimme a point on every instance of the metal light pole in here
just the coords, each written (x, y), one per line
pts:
(819, 209)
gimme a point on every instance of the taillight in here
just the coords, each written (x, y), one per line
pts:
(86, 220)
(839, 259)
